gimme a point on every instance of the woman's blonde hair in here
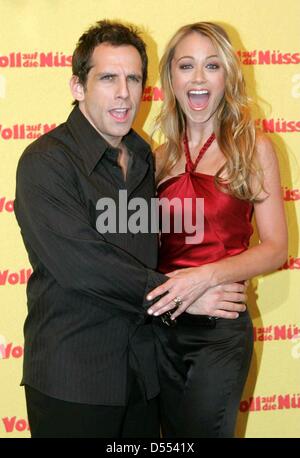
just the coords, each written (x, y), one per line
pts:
(234, 129)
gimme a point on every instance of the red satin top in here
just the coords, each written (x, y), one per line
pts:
(227, 223)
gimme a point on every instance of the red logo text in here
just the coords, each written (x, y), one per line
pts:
(290, 194)
(274, 402)
(24, 131)
(6, 205)
(291, 264)
(278, 125)
(268, 57)
(13, 424)
(11, 351)
(152, 93)
(14, 278)
(35, 59)
(279, 332)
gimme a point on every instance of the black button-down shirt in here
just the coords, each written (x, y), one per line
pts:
(86, 297)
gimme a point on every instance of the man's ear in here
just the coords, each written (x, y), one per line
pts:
(77, 88)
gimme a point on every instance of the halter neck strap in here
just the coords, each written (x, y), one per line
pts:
(190, 166)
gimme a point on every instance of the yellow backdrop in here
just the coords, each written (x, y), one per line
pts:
(37, 40)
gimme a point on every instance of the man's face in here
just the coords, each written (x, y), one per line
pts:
(113, 90)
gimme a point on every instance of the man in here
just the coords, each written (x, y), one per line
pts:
(89, 362)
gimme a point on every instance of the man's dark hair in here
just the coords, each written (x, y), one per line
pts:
(114, 33)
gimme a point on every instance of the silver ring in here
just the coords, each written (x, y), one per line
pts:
(177, 301)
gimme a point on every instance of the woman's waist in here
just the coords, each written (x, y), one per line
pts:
(175, 257)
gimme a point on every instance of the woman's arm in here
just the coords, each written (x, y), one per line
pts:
(189, 284)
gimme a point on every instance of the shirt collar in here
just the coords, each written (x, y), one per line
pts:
(92, 145)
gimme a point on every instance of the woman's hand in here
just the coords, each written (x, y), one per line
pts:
(185, 286)
(222, 301)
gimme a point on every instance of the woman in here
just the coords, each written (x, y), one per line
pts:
(212, 151)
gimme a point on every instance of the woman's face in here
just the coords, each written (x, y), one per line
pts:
(198, 78)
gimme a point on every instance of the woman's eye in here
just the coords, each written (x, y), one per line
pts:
(213, 66)
(185, 66)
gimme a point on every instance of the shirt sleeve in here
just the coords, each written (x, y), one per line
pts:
(55, 226)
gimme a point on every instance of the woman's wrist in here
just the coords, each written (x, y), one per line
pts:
(208, 274)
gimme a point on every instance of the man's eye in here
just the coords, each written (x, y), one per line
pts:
(134, 78)
(107, 77)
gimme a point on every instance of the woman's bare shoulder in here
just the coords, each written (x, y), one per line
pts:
(265, 150)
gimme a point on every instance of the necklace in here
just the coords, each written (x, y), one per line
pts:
(190, 165)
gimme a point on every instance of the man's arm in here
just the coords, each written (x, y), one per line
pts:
(54, 222)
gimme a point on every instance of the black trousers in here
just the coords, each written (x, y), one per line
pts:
(53, 418)
(203, 370)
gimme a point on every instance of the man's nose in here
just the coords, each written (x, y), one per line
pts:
(122, 90)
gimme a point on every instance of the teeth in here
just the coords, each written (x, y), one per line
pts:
(200, 92)
(120, 110)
